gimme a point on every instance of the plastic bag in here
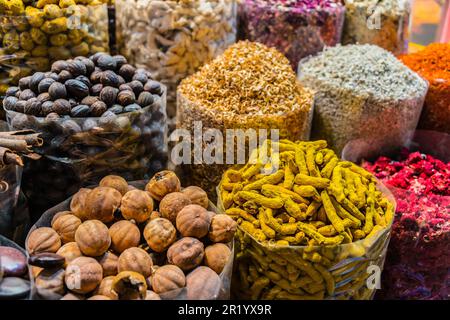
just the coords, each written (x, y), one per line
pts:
(80, 151)
(346, 271)
(219, 293)
(383, 23)
(418, 258)
(296, 29)
(36, 34)
(173, 39)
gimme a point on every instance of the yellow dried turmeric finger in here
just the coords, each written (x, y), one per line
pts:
(283, 295)
(328, 154)
(240, 213)
(284, 229)
(271, 293)
(268, 231)
(258, 286)
(268, 179)
(360, 171)
(250, 228)
(329, 280)
(302, 282)
(378, 218)
(274, 203)
(327, 170)
(295, 209)
(288, 177)
(370, 211)
(297, 239)
(307, 191)
(319, 158)
(243, 275)
(345, 215)
(279, 269)
(282, 243)
(358, 234)
(263, 263)
(313, 208)
(346, 204)
(228, 186)
(300, 161)
(327, 231)
(316, 223)
(252, 170)
(331, 212)
(321, 215)
(227, 199)
(389, 213)
(309, 231)
(233, 175)
(310, 162)
(305, 180)
(347, 237)
(277, 191)
(253, 272)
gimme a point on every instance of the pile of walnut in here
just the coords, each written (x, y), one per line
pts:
(95, 250)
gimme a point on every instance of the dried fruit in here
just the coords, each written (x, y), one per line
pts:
(65, 226)
(160, 234)
(222, 228)
(137, 260)
(93, 238)
(187, 253)
(193, 221)
(101, 203)
(108, 95)
(126, 97)
(116, 182)
(50, 283)
(129, 285)
(70, 251)
(203, 284)
(83, 275)
(124, 234)
(99, 297)
(108, 261)
(217, 256)
(197, 196)
(168, 278)
(13, 263)
(171, 205)
(105, 288)
(150, 295)
(77, 203)
(162, 183)
(43, 240)
(46, 260)
(59, 214)
(136, 205)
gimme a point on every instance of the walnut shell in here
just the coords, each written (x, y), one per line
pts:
(193, 221)
(101, 203)
(203, 284)
(124, 234)
(69, 251)
(108, 261)
(171, 204)
(65, 226)
(168, 278)
(137, 205)
(43, 240)
(162, 183)
(105, 288)
(83, 275)
(187, 253)
(50, 284)
(59, 214)
(222, 228)
(115, 182)
(197, 196)
(160, 234)
(137, 260)
(130, 285)
(216, 256)
(77, 203)
(93, 238)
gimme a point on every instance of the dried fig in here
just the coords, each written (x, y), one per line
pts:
(160, 234)
(222, 228)
(187, 253)
(168, 278)
(216, 256)
(116, 182)
(137, 260)
(193, 221)
(83, 275)
(162, 183)
(101, 203)
(77, 203)
(203, 284)
(93, 238)
(136, 205)
(130, 285)
(171, 204)
(43, 240)
(65, 226)
(197, 196)
(124, 234)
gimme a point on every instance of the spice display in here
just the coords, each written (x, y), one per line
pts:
(14, 283)
(112, 25)
(123, 258)
(36, 33)
(309, 228)
(363, 92)
(250, 86)
(174, 38)
(383, 23)
(419, 255)
(297, 28)
(97, 115)
(433, 63)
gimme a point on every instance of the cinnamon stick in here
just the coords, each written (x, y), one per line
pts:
(32, 139)
(9, 157)
(20, 146)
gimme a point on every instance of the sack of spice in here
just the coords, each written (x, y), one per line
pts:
(383, 23)
(418, 258)
(310, 226)
(363, 92)
(251, 87)
(143, 240)
(97, 115)
(174, 38)
(36, 33)
(297, 28)
(433, 63)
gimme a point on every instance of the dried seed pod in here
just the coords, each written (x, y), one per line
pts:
(43, 97)
(108, 261)
(168, 278)
(65, 226)
(120, 60)
(69, 251)
(126, 97)
(136, 86)
(171, 205)
(81, 110)
(77, 203)
(106, 62)
(33, 107)
(98, 108)
(217, 256)
(76, 68)
(222, 228)
(137, 260)
(127, 71)
(140, 76)
(162, 183)
(101, 203)
(36, 78)
(145, 99)
(116, 182)
(124, 234)
(64, 75)
(90, 100)
(61, 106)
(96, 76)
(59, 66)
(83, 275)
(159, 234)
(9, 103)
(105, 288)
(85, 80)
(136, 205)
(24, 83)
(197, 196)
(57, 90)
(187, 253)
(153, 87)
(203, 284)
(26, 94)
(43, 240)
(129, 285)
(193, 221)
(50, 283)
(77, 88)
(44, 85)
(108, 95)
(116, 109)
(132, 107)
(93, 238)
(109, 78)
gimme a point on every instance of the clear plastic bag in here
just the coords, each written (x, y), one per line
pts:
(218, 293)
(174, 38)
(80, 151)
(36, 34)
(418, 258)
(295, 28)
(383, 23)
(347, 271)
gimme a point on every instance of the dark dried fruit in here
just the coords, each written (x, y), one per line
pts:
(14, 262)
(33, 107)
(89, 64)
(125, 98)
(95, 56)
(45, 84)
(43, 97)
(96, 75)
(121, 80)
(77, 88)
(89, 100)
(116, 109)
(76, 68)
(70, 127)
(47, 108)
(59, 66)
(140, 76)
(127, 71)
(145, 99)
(35, 79)
(61, 106)
(137, 87)
(98, 108)
(24, 83)
(81, 110)
(108, 95)
(46, 260)
(26, 94)
(73, 102)
(120, 60)
(84, 79)
(96, 89)
(9, 103)
(109, 78)
(52, 75)
(106, 62)
(153, 87)
(20, 106)
(11, 91)
(132, 107)
(64, 75)
(124, 87)
(57, 91)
